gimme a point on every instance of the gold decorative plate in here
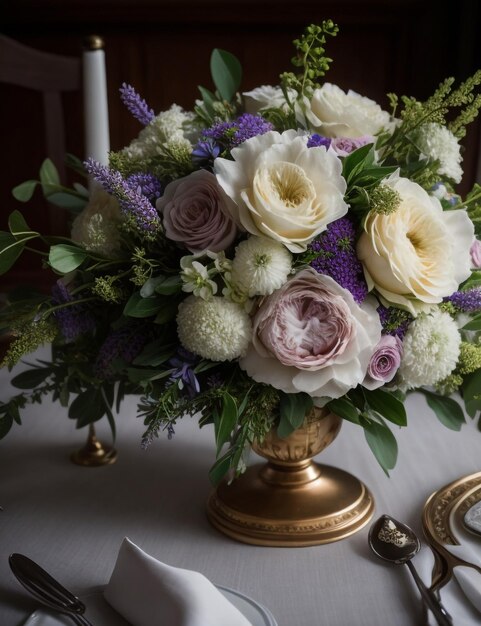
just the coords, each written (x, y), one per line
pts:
(438, 507)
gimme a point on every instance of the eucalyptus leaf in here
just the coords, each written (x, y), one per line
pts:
(65, 258)
(227, 421)
(108, 401)
(471, 391)
(226, 73)
(382, 443)
(154, 353)
(208, 99)
(24, 191)
(6, 423)
(168, 310)
(88, 407)
(294, 407)
(49, 174)
(447, 410)
(66, 200)
(143, 307)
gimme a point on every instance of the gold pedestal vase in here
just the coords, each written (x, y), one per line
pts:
(94, 453)
(292, 500)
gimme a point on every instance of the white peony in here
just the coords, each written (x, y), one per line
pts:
(96, 227)
(282, 189)
(431, 350)
(265, 97)
(335, 113)
(439, 143)
(260, 266)
(418, 254)
(215, 329)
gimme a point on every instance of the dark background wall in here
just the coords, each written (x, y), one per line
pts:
(162, 48)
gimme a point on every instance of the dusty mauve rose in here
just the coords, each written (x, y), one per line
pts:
(343, 146)
(195, 212)
(311, 336)
(384, 362)
(475, 252)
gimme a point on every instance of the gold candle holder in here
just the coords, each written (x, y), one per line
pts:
(291, 500)
(94, 453)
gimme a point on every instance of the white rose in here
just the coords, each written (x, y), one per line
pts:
(265, 97)
(282, 189)
(418, 254)
(338, 114)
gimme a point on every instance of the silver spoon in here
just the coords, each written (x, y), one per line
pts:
(46, 589)
(397, 543)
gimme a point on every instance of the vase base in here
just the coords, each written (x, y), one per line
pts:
(258, 509)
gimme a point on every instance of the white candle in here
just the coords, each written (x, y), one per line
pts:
(96, 113)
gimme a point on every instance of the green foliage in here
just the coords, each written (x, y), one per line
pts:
(446, 410)
(293, 410)
(65, 258)
(226, 73)
(382, 443)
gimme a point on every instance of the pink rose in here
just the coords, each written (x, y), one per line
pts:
(343, 146)
(195, 212)
(384, 362)
(475, 252)
(311, 336)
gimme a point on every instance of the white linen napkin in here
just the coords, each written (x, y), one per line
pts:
(148, 593)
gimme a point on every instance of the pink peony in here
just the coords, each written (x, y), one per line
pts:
(475, 252)
(311, 336)
(195, 213)
(384, 362)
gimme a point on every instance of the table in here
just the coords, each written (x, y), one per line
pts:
(72, 519)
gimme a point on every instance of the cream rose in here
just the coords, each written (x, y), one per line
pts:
(339, 114)
(311, 336)
(418, 254)
(282, 189)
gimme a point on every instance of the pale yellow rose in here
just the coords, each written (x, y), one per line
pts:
(282, 189)
(418, 254)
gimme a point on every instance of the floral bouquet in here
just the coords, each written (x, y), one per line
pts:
(267, 251)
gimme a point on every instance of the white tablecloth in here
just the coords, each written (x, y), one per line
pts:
(72, 519)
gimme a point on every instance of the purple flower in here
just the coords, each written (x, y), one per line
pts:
(146, 184)
(73, 320)
(205, 152)
(123, 344)
(132, 203)
(196, 213)
(468, 301)
(184, 362)
(343, 146)
(336, 257)
(394, 321)
(231, 134)
(315, 141)
(136, 105)
(384, 362)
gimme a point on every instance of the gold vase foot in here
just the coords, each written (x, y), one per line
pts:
(254, 509)
(94, 453)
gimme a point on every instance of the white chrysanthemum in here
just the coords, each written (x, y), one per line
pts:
(166, 129)
(96, 227)
(196, 278)
(439, 143)
(216, 329)
(260, 266)
(431, 350)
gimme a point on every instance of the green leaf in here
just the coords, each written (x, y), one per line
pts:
(88, 407)
(108, 404)
(155, 353)
(139, 375)
(227, 421)
(10, 250)
(387, 405)
(353, 162)
(382, 443)
(66, 200)
(293, 409)
(344, 408)
(142, 307)
(221, 467)
(49, 174)
(471, 391)
(446, 409)
(473, 324)
(168, 310)
(226, 73)
(208, 98)
(6, 423)
(65, 258)
(169, 286)
(31, 378)
(75, 164)
(19, 227)
(24, 191)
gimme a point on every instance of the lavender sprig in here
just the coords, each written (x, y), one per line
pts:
(136, 105)
(72, 320)
(468, 301)
(133, 204)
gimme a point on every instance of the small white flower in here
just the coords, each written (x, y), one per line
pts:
(216, 329)
(431, 350)
(439, 143)
(196, 278)
(260, 266)
(265, 97)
